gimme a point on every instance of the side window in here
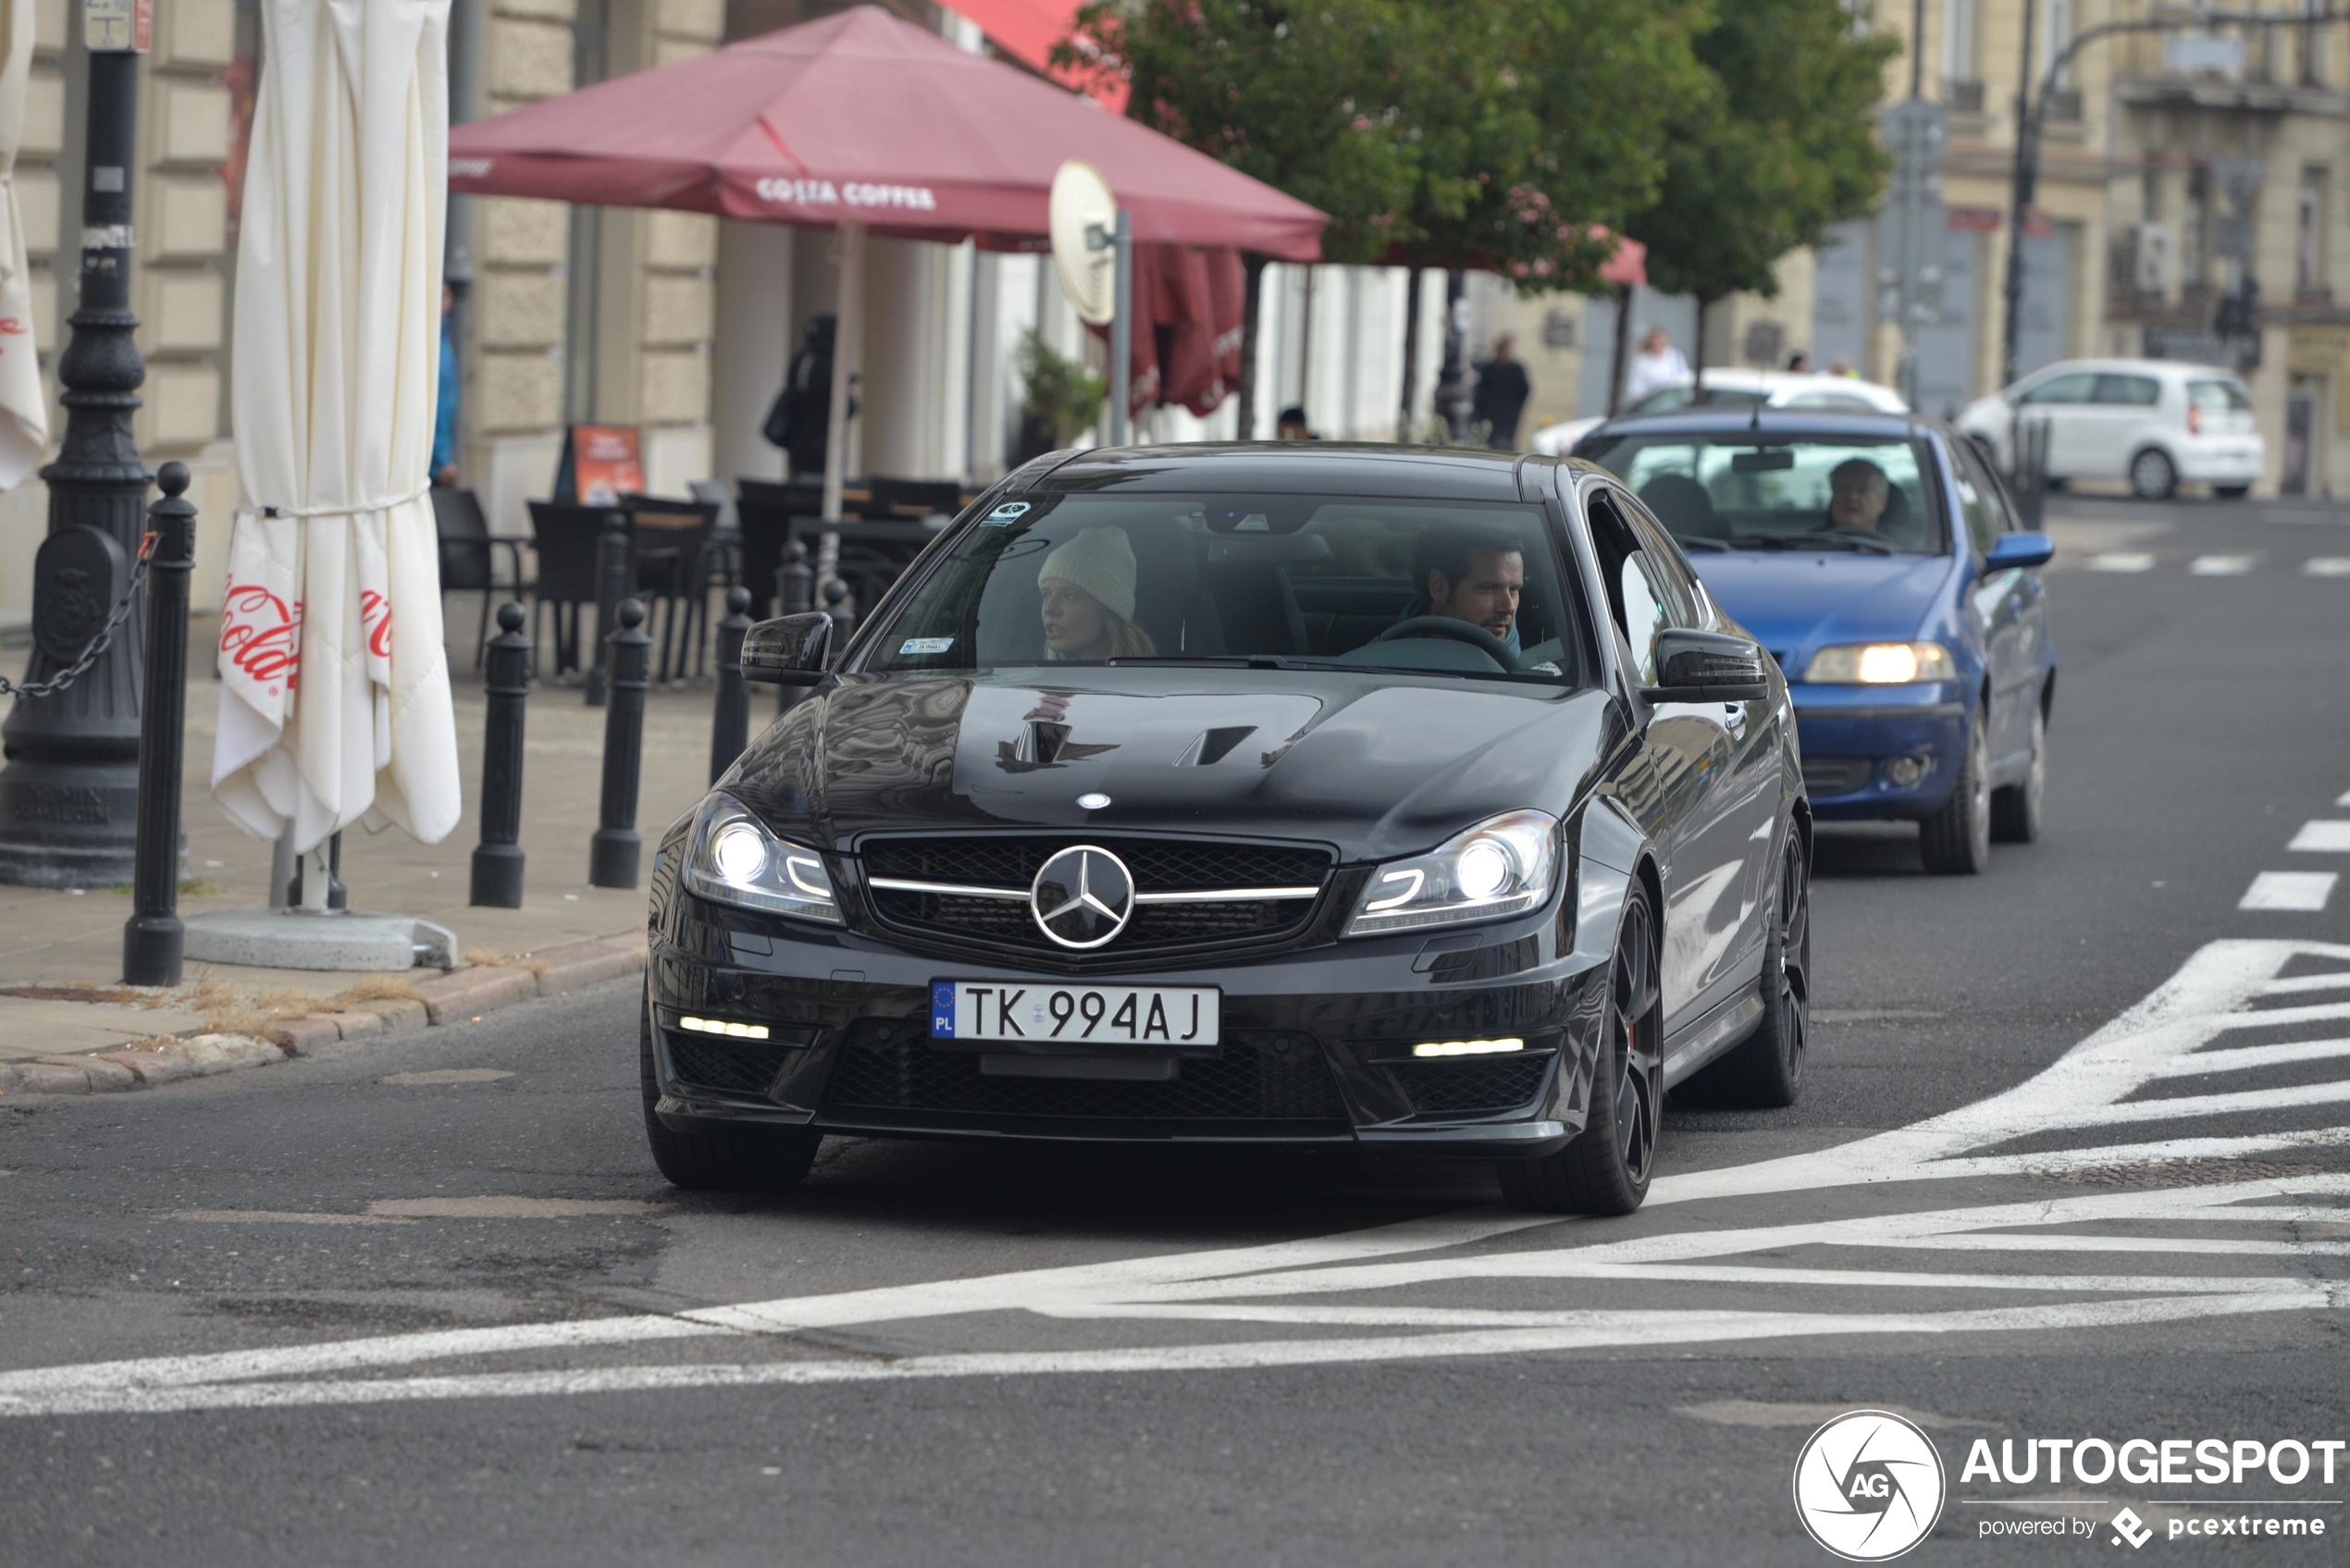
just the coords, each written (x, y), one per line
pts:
(1977, 501)
(2069, 389)
(2128, 391)
(1664, 564)
(1637, 596)
(1970, 462)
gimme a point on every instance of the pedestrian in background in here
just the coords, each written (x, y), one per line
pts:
(1502, 391)
(800, 419)
(1658, 364)
(1798, 363)
(1291, 425)
(444, 414)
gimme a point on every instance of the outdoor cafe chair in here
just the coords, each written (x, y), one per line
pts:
(673, 540)
(469, 556)
(566, 539)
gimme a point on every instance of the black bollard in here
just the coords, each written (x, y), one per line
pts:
(611, 855)
(730, 720)
(151, 938)
(796, 593)
(498, 859)
(612, 585)
(337, 896)
(843, 618)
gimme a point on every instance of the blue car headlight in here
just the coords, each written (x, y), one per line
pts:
(732, 858)
(1882, 665)
(1505, 865)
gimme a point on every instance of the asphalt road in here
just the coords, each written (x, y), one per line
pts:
(427, 1301)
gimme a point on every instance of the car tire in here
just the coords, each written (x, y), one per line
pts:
(2231, 492)
(1956, 841)
(1604, 1170)
(1766, 1070)
(751, 1159)
(2015, 809)
(2153, 476)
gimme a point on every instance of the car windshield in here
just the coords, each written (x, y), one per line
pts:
(1768, 490)
(1453, 590)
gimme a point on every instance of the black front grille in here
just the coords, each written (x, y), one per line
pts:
(1158, 866)
(890, 1065)
(1471, 1086)
(1836, 775)
(727, 1067)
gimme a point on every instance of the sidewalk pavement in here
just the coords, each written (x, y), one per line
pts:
(67, 1024)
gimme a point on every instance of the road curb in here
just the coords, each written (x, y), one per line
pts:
(459, 996)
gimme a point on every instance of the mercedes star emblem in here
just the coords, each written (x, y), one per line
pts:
(1083, 897)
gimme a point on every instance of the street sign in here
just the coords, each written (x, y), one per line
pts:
(117, 27)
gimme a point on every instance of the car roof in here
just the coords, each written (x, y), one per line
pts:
(2132, 367)
(1293, 467)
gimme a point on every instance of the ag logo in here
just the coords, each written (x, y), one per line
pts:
(1869, 1486)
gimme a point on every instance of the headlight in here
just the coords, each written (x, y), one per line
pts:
(1882, 663)
(1503, 867)
(732, 860)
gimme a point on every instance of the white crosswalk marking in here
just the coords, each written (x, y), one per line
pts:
(2322, 838)
(2220, 565)
(2326, 566)
(2302, 892)
(2119, 560)
(2173, 1252)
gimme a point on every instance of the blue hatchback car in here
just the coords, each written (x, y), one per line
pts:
(1882, 563)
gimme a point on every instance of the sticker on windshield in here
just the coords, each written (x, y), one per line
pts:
(1009, 512)
(925, 645)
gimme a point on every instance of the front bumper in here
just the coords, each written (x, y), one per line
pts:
(1850, 733)
(1311, 1044)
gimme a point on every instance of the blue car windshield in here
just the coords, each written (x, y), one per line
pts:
(1763, 490)
(1452, 589)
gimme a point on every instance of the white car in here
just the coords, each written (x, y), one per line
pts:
(1731, 387)
(2153, 422)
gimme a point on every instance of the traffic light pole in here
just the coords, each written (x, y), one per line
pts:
(2030, 105)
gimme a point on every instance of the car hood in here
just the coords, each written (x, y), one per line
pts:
(1375, 765)
(1797, 600)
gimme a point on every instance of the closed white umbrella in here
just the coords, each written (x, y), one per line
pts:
(24, 412)
(334, 688)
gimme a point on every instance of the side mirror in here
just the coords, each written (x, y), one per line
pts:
(790, 650)
(1706, 667)
(2017, 550)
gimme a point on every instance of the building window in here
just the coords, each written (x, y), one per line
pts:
(2195, 247)
(2310, 234)
(1959, 26)
(2313, 44)
(2057, 34)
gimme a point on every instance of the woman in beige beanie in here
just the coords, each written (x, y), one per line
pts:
(1088, 585)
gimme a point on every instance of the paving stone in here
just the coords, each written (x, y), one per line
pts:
(103, 1077)
(455, 997)
(582, 963)
(305, 1034)
(398, 1015)
(153, 1066)
(358, 1025)
(43, 1078)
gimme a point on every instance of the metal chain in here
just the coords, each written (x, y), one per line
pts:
(99, 644)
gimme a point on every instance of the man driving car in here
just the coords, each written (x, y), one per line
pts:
(1858, 491)
(1465, 578)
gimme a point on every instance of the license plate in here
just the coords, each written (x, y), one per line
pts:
(1101, 1015)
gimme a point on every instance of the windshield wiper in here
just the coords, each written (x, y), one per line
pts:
(1699, 541)
(1818, 541)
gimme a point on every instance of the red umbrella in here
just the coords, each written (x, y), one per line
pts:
(864, 118)
(1029, 30)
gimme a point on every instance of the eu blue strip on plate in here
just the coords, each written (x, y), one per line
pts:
(942, 1009)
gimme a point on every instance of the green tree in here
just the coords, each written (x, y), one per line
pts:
(1294, 92)
(1782, 148)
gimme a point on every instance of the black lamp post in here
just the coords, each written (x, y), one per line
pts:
(69, 791)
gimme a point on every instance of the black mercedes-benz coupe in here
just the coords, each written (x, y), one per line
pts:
(1415, 799)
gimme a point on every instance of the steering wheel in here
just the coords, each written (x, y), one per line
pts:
(1475, 635)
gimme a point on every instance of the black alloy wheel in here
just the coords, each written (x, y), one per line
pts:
(1605, 1169)
(750, 1159)
(1766, 1070)
(1956, 841)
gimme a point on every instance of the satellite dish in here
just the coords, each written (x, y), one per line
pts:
(1084, 222)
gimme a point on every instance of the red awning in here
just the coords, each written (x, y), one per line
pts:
(1028, 31)
(861, 117)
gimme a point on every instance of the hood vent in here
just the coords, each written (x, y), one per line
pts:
(1211, 747)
